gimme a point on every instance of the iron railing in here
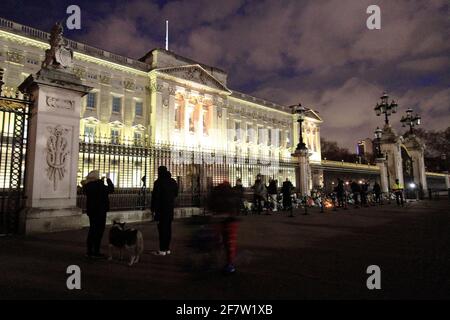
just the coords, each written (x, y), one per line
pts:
(132, 166)
(14, 113)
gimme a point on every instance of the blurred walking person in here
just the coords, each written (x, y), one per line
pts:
(97, 205)
(165, 190)
(222, 202)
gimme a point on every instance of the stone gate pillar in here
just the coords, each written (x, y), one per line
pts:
(384, 183)
(303, 176)
(391, 148)
(53, 142)
(416, 149)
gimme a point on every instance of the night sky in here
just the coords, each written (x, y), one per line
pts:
(317, 52)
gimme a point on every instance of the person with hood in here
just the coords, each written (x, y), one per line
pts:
(165, 190)
(97, 205)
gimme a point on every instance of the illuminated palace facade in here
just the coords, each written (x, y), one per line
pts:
(164, 99)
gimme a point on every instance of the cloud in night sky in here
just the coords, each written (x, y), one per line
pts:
(319, 53)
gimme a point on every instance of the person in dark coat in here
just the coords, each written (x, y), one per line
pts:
(165, 190)
(354, 186)
(97, 205)
(272, 190)
(340, 193)
(377, 191)
(363, 192)
(286, 190)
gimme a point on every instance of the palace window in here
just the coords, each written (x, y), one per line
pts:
(91, 100)
(89, 133)
(237, 131)
(269, 137)
(249, 133)
(115, 136)
(137, 138)
(191, 120)
(289, 139)
(116, 104)
(260, 135)
(205, 121)
(139, 109)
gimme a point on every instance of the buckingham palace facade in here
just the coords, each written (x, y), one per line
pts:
(164, 99)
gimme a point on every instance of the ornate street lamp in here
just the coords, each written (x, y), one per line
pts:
(385, 107)
(410, 120)
(378, 134)
(300, 110)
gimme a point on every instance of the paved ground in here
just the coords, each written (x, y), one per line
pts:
(321, 255)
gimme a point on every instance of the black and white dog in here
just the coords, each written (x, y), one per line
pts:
(129, 239)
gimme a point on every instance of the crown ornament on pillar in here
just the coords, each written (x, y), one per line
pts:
(58, 56)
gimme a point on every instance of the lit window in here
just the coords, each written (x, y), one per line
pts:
(115, 134)
(139, 109)
(116, 104)
(237, 131)
(89, 133)
(191, 121)
(249, 133)
(91, 100)
(205, 121)
(137, 138)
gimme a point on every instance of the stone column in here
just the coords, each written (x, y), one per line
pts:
(416, 149)
(303, 176)
(52, 159)
(391, 147)
(384, 184)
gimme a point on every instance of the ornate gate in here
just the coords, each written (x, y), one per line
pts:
(13, 126)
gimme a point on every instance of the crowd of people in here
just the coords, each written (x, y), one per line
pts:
(225, 202)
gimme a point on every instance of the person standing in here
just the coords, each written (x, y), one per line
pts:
(165, 190)
(272, 190)
(286, 190)
(340, 193)
(354, 186)
(97, 205)
(398, 191)
(363, 192)
(239, 192)
(377, 192)
(259, 190)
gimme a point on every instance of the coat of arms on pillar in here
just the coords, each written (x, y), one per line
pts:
(56, 154)
(58, 56)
